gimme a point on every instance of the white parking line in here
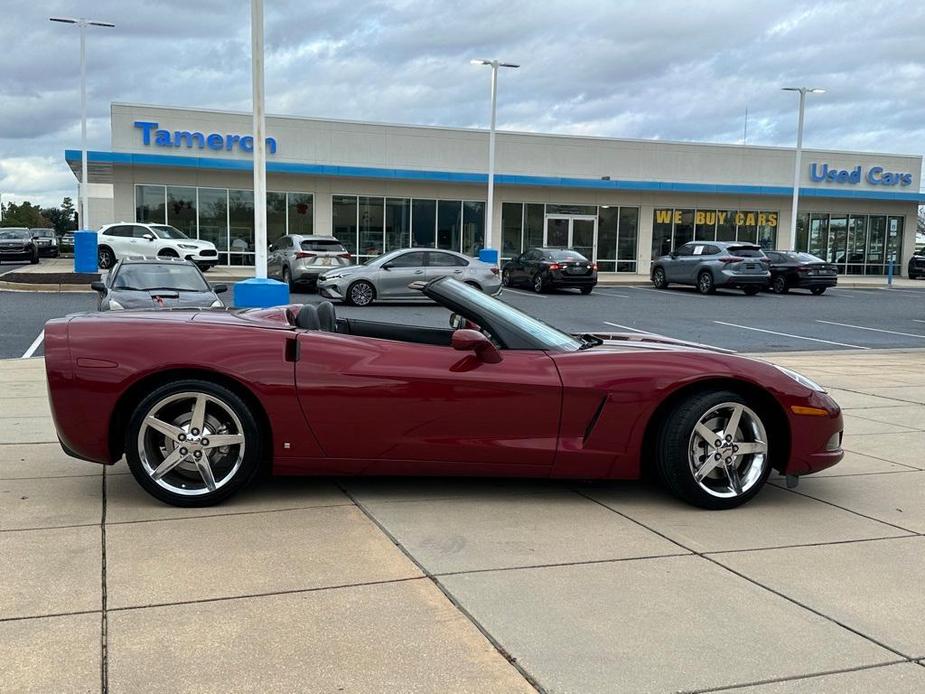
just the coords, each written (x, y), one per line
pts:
(598, 292)
(666, 292)
(646, 332)
(34, 346)
(798, 337)
(875, 330)
(523, 293)
(918, 321)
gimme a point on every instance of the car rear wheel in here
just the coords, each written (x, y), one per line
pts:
(586, 290)
(705, 283)
(713, 451)
(287, 277)
(192, 443)
(105, 257)
(751, 291)
(34, 260)
(818, 290)
(506, 278)
(658, 278)
(539, 284)
(361, 293)
(779, 285)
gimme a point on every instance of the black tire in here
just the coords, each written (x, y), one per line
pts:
(360, 293)
(538, 283)
(705, 282)
(586, 290)
(658, 278)
(241, 477)
(34, 260)
(506, 278)
(287, 278)
(105, 258)
(779, 285)
(671, 451)
(751, 291)
(818, 291)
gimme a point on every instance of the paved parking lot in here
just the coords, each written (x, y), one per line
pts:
(842, 319)
(435, 585)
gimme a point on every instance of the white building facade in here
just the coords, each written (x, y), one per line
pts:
(377, 187)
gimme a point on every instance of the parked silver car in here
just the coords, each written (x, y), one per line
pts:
(709, 265)
(388, 276)
(298, 259)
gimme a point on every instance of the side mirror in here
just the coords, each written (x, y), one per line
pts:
(673, 254)
(148, 236)
(220, 288)
(271, 247)
(457, 322)
(98, 286)
(473, 341)
(387, 266)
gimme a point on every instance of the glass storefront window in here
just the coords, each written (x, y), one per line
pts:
(213, 218)
(857, 242)
(818, 234)
(423, 223)
(747, 227)
(876, 245)
(150, 204)
(181, 209)
(894, 242)
(512, 218)
(838, 239)
(608, 221)
(397, 223)
(767, 230)
(449, 224)
(683, 227)
(661, 233)
(628, 236)
(473, 227)
(571, 209)
(725, 225)
(300, 213)
(344, 221)
(372, 230)
(705, 225)
(802, 235)
(534, 225)
(276, 216)
(241, 227)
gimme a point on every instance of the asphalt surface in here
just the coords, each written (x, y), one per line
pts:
(841, 319)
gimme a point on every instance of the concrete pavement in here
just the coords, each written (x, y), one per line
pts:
(432, 585)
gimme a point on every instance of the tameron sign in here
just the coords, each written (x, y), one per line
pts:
(152, 134)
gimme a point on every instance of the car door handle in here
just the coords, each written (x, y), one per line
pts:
(418, 272)
(457, 272)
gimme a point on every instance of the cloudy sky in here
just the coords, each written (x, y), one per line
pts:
(682, 70)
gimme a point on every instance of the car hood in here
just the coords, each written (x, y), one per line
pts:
(346, 270)
(162, 298)
(623, 341)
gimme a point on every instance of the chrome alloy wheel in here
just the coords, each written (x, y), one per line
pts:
(361, 293)
(191, 443)
(728, 450)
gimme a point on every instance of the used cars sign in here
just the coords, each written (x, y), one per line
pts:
(876, 175)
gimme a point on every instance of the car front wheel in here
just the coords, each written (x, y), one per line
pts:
(713, 450)
(658, 278)
(539, 285)
(192, 443)
(779, 285)
(506, 278)
(105, 257)
(361, 293)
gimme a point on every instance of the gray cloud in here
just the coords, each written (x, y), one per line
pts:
(673, 70)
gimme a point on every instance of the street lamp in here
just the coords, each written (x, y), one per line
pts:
(495, 64)
(796, 163)
(83, 23)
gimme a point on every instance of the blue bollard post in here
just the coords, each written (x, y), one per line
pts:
(85, 252)
(260, 292)
(889, 274)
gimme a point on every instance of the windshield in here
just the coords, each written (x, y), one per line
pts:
(165, 231)
(148, 276)
(15, 234)
(566, 255)
(746, 251)
(497, 312)
(805, 258)
(44, 233)
(381, 258)
(322, 246)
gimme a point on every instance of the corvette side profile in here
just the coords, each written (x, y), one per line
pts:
(199, 401)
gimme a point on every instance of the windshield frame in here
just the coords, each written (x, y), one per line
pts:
(511, 327)
(161, 231)
(130, 285)
(16, 234)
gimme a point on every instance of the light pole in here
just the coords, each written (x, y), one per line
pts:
(489, 213)
(83, 23)
(796, 162)
(260, 142)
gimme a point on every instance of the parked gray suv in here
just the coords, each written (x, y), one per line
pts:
(709, 265)
(299, 259)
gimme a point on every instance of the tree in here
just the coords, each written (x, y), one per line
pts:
(62, 218)
(24, 215)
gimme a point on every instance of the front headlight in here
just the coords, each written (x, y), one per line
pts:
(115, 305)
(325, 278)
(187, 245)
(801, 379)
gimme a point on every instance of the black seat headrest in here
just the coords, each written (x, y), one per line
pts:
(308, 318)
(327, 317)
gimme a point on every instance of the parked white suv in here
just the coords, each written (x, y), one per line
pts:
(117, 241)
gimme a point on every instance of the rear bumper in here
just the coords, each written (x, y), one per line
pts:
(732, 279)
(559, 279)
(812, 282)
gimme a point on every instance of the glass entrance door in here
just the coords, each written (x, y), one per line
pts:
(572, 231)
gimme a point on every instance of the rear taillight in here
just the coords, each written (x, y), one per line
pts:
(494, 270)
(343, 255)
(555, 266)
(802, 269)
(594, 266)
(303, 254)
(729, 259)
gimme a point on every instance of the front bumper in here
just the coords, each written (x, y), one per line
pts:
(15, 255)
(812, 436)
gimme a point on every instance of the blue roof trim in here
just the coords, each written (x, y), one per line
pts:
(211, 163)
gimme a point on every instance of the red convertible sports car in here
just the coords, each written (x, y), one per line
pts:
(200, 400)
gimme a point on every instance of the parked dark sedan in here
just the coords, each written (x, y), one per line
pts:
(794, 270)
(917, 264)
(16, 243)
(150, 283)
(550, 268)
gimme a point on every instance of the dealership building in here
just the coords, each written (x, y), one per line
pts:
(378, 187)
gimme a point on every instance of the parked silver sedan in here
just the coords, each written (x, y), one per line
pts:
(388, 276)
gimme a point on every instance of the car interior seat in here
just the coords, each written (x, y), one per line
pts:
(307, 318)
(327, 318)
